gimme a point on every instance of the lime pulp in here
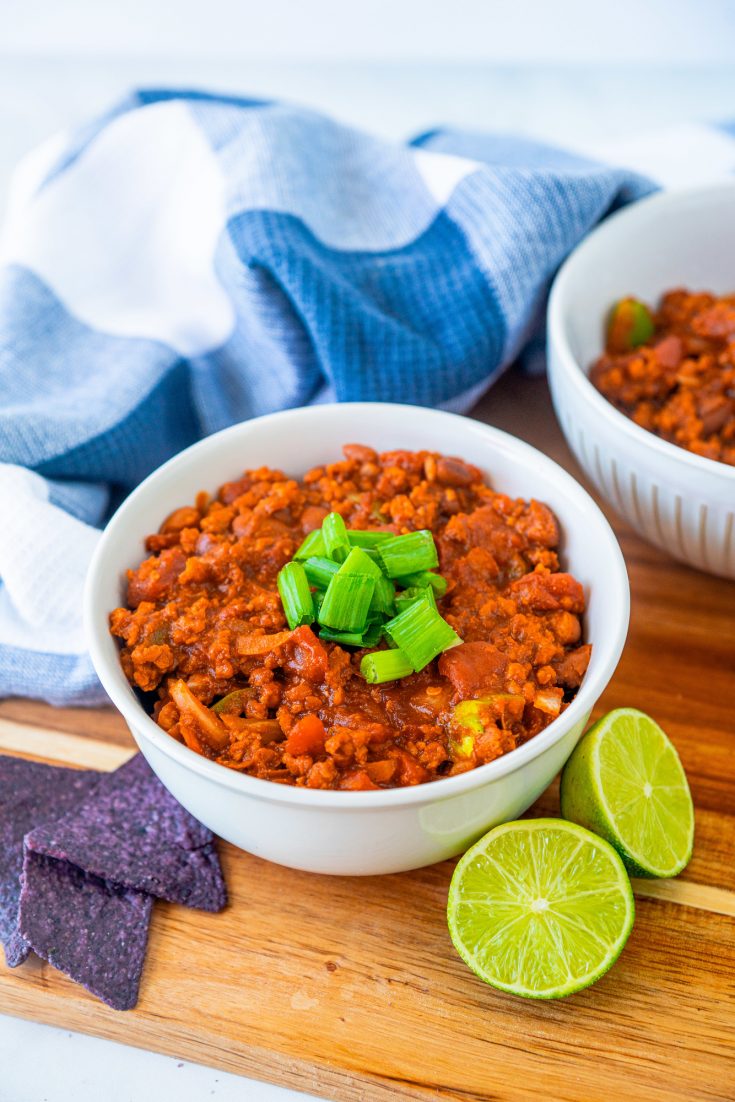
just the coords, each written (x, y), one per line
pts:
(540, 908)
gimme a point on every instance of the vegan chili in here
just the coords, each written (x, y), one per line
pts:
(206, 643)
(679, 380)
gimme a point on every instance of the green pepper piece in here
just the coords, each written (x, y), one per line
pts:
(233, 703)
(630, 324)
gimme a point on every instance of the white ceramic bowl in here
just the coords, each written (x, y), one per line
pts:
(361, 832)
(679, 501)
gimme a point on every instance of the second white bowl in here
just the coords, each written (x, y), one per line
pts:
(677, 500)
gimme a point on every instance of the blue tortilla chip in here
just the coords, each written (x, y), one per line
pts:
(30, 793)
(94, 931)
(133, 832)
(108, 843)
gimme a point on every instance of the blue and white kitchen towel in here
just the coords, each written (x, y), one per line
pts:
(188, 261)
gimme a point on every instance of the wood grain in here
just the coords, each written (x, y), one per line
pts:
(351, 988)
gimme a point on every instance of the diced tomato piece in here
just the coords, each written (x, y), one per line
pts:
(306, 736)
(381, 772)
(549, 592)
(474, 669)
(410, 770)
(357, 781)
(308, 656)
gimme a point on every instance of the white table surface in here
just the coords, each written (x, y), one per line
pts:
(566, 105)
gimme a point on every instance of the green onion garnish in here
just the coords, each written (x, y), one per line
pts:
(437, 581)
(367, 638)
(312, 545)
(385, 665)
(320, 571)
(362, 587)
(409, 554)
(359, 562)
(373, 633)
(415, 593)
(383, 603)
(347, 602)
(368, 539)
(374, 554)
(421, 633)
(346, 638)
(336, 543)
(293, 587)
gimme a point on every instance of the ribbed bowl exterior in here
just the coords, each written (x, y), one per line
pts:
(670, 504)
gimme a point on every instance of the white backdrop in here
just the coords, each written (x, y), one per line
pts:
(569, 71)
(621, 31)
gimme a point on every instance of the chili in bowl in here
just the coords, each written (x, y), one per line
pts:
(294, 748)
(387, 620)
(672, 369)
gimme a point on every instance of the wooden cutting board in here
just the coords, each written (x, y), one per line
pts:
(350, 988)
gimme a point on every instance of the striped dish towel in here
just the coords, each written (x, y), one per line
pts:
(189, 261)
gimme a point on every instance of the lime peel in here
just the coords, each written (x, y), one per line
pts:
(625, 782)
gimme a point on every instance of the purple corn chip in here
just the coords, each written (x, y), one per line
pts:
(94, 931)
(133, 832)
(30, 793)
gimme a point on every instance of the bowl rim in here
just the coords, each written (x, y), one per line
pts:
(144, 727)
(559, 298)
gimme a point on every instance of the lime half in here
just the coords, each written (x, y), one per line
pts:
(625, 782)
(540, 908)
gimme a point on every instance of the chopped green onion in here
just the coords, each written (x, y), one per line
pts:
(374, 554)
(373, 633)
(346, 638)
(320, 571)
(415, 593)
(359, 562)
(346, 581)
(293, 587)
(437, 581)
(383, 603)
(312, 545)
(347, 602)
(336, 543)
(367, 638)
(416, 551)
(368, 539)
(385, 665)
(421, 633)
